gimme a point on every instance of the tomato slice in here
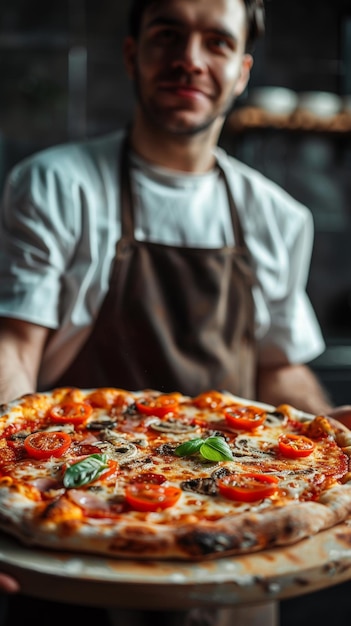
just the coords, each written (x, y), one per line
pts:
(7, 455)
(158, 405)
(43, 445)
(70, 412)
(106, 397)
(150, 477)
(208, 400)
(244, 417)
(151, 497)
(248, 487)
(111, 470)
(295, 446)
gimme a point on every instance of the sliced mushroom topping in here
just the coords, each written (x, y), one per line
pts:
(20, 436)
(172, 426)
(244, 447)
(107, 434)
(141, 443)
(206, 486)
(274, 417)
(131, 410)
(67, 428)
(110, 435)
(166, 449)
(220, 473)
(100, 424)
(219, 433)
(139, 462)
(119, 450)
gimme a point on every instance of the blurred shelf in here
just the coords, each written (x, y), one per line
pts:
(253, 118)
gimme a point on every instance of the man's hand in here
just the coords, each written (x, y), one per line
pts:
(342, 414)
(295, 385)
(21, 347)
(8, 584)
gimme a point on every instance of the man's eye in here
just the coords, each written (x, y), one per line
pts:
(166, 35)
(220, 44)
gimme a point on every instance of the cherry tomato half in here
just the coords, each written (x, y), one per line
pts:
(295, 446)
(151, 497)
(158, 405)
(149, 477)
(111, 470)
(43, 445)
(106, 397)
(70, 412)
(244, 417)
(208, 400)
(248, 487)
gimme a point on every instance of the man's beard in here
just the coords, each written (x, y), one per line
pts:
(156, 119)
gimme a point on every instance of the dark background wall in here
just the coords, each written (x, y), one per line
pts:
(304, 45)
(62, 78)
(61, 73)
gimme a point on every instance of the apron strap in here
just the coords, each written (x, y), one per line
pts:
(127, 208)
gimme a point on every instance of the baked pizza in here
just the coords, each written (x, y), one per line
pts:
(151, 475)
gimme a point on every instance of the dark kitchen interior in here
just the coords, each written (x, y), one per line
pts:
(62, 79)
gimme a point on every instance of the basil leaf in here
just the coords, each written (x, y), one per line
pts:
(189, 447)
(85, 471)
(216, 449)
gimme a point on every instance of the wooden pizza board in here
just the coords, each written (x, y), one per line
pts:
(312, 564)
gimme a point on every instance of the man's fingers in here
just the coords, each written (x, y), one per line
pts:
(343, 414)
(8, 584)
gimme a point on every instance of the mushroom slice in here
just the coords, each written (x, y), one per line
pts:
(118, 449)
(172, 426)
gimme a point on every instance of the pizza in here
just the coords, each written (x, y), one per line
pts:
(165, 476)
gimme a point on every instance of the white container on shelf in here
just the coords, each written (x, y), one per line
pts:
(322, 104)
(276, 100)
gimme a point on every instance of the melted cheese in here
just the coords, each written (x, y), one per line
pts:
(253, 451)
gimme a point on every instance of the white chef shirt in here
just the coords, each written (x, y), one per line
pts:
(60, 221)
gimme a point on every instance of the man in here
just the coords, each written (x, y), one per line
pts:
(150, 258)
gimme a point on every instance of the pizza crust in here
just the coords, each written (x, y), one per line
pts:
(246, 533)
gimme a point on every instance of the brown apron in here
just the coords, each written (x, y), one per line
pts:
(174, 318)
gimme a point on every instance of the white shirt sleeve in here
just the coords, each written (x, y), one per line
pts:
(35, 246)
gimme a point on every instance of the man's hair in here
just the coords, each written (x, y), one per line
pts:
(255, 15)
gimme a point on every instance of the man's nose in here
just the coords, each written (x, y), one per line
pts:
(190, 54)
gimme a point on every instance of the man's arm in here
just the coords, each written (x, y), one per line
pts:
(298, 386)
(21, 348)
(293, 384)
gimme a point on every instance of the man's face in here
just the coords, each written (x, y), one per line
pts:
(189, 63)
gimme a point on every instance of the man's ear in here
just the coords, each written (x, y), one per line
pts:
(244, 77)
(129, 55)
